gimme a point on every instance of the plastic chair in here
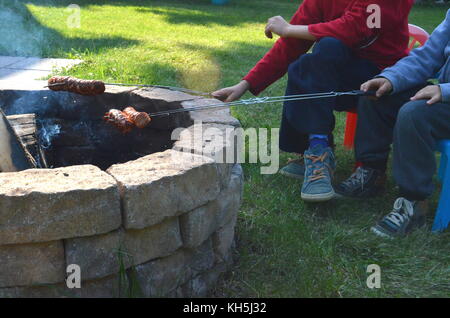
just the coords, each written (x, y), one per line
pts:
(442, 218)
(418, 38)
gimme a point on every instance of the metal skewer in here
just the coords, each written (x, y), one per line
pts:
(264, 100)
(251, 101)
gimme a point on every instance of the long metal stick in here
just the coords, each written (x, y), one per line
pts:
(263, 100)
(251, 101)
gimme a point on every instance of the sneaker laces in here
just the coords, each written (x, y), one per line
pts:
(298, 160)
(358, 177)
(402, 212)
(317, 174)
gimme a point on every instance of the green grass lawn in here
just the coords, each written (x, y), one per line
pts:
(286, 248)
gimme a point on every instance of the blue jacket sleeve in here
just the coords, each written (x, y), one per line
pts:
(423, 63)
(445, 89)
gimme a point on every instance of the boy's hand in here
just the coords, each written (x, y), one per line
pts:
(277, 25)
(381, 85)
(432, 92)
(232, 93)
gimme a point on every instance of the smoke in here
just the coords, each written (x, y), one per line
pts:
(39, 102)
(47, 133)
(20, 34)
(29, 102)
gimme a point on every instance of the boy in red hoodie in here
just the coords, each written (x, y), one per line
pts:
(354, 40)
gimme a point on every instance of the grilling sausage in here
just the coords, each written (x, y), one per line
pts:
(119, 119)
(140, 119)
(75, 85)
(127, 119)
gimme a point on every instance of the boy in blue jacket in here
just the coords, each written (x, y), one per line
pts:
(412, 115)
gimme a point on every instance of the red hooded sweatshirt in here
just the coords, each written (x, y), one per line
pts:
(345, 20)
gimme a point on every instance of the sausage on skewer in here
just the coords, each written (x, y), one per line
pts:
(75, 85)
(127, 119)
(140, 119)
(120, 120)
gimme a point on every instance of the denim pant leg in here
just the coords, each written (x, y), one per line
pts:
(331, 66)
(419, 126)
(375, 129)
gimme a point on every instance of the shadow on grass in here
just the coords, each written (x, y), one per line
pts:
(24, 35)
(199, 12)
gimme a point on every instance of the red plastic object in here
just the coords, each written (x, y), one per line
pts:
(350, 129)
(418, 37)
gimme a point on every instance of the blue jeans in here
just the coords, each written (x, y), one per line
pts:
(331, 66)
(413, 128)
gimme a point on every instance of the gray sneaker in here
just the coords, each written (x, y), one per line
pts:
(320, 165)
(295, 168)
(405, 217)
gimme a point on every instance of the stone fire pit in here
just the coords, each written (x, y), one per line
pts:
(140, 214)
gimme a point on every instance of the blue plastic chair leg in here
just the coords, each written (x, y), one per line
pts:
(442, 166)
(442, 218)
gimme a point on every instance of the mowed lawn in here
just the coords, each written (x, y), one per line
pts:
(285, 248)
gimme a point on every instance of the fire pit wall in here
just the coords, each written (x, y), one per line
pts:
(161, 225)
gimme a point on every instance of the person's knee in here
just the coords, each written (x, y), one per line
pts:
(303, 63)
(365, 103)
(294, 67)
(368, 106)
(329, 44)
(412, 115)
(330, 49)
(413, 111)
(327, 52)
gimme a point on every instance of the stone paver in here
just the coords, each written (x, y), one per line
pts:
(22, 76)
(25, 69)
(6, 61)
(6, 72)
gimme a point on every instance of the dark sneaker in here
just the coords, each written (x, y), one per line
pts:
(320, 165)
(363, 183)
(294, 169)
(404, 218)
